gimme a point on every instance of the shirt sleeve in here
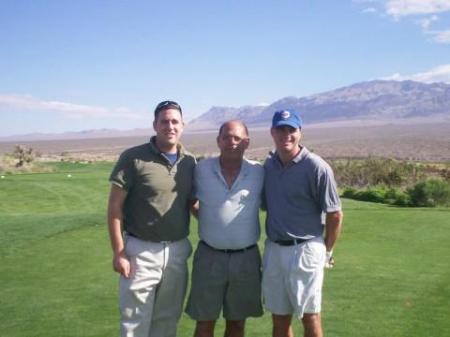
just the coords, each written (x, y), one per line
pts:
(328, 192)
(122, 173)
(194, 188)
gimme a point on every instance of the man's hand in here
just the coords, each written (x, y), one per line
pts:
(122, 265)
(329, 260)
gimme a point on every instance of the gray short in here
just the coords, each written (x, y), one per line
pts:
(228, 280)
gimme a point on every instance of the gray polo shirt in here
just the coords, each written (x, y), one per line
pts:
(229, 217)
(156, 207)
(298, 195)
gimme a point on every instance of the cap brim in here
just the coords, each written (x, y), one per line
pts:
(288, 123)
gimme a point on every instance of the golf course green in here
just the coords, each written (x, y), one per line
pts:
(392, 275)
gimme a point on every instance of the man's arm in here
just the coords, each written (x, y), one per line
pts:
(194, 206)
(333, 226)
(117, 196)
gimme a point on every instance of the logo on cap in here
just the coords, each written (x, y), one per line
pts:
(285, 114)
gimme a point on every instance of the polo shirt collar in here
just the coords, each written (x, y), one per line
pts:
(154, 148)
(300, 156)
(242, 173)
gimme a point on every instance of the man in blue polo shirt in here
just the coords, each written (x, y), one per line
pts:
(302, 204)
(226, 271)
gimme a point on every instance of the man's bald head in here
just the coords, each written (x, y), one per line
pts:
(233, 123)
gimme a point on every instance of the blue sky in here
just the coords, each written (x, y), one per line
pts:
(88, 64)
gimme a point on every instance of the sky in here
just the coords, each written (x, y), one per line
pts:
(89, 64)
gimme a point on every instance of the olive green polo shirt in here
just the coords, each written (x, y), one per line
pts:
(157, 204)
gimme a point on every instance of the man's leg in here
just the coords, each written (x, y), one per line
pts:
(312, 325)
(204, 329)
(170, 293)
(282, 326)
(137, 292)
(234, 328)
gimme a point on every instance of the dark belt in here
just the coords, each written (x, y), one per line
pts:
(134, 236)
(228, 251)
(291, 242)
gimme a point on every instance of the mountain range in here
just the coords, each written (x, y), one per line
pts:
(373, 100)
(379, 100)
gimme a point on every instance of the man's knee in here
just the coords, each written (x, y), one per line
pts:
(236, 324)
(235, 328)
(204, 329)
(282, 325)
(311, 319)
(281, 320)
(312, 325)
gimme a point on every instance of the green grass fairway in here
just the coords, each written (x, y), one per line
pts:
(392, 275)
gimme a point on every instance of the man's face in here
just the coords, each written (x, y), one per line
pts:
(233, 141)
(286, 138)
(168, 126)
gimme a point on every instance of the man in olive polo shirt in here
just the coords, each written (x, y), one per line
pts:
(148, 218)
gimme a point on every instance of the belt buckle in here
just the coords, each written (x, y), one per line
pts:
(165, 242)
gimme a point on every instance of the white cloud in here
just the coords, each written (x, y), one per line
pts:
(399, 8)
(437, 74)
(426, 23)
(28, 102)
(421, 8)
(365, 1)
(369, 10)
(442, 36)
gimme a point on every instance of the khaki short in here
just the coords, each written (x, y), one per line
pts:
(231, 281)
(293, 277)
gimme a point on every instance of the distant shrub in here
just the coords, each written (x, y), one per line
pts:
(23, 155)
(372, 194)
(430, 193)
(376, 172)
(402, 199)
(380, 194)
(349, 192)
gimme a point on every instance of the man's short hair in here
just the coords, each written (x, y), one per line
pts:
(164, 105)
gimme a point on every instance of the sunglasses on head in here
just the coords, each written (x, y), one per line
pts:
(166, 104)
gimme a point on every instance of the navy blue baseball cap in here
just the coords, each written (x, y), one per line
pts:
(287, 117)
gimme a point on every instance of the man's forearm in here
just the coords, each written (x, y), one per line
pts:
(115, 216)
(115, 235)
(333, 226)
(194, 206)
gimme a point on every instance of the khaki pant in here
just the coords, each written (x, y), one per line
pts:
(151, 299)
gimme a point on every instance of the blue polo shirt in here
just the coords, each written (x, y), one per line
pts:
(229, 217)
(298, 195)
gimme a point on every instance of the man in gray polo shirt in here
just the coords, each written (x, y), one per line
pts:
(149, 204)
(226, 271)
(300, 192)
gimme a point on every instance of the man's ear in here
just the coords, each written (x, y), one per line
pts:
(246, 143)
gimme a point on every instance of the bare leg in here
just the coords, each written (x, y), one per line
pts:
(234, 328)
(282, 326)
(204, 329)
(312, 325)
